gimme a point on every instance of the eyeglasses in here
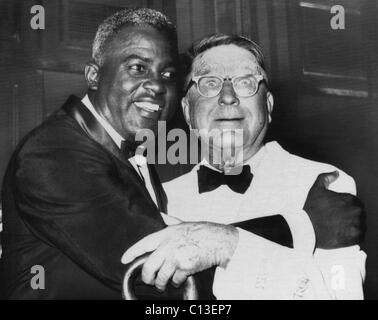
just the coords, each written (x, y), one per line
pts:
(211, 86)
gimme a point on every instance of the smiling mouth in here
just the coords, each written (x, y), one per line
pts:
(148, 106)
(229, 119)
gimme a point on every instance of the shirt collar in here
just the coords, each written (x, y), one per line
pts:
(117, 138)
(253, 162)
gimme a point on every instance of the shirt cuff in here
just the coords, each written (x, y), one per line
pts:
(302, 231)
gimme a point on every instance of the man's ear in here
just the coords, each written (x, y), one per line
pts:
(185, 110)
(92, 75)
(269, 105)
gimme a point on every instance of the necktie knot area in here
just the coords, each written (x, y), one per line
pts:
(131, 149)
(238, 179)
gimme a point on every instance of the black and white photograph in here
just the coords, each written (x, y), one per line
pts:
(208, 150)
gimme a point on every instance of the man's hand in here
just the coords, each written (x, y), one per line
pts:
(336, 217)
(183, 249)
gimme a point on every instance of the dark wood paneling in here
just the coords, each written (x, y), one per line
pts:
(326, 106)
(331, 61)
(6, 120)
(199, 18)
(21, 106)
(57, 86)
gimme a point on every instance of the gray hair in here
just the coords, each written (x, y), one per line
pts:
(130, 17)
(216, 40)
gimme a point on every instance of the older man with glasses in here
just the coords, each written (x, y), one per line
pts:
(228, 102)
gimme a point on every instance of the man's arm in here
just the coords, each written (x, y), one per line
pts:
(74, 200)
(169, 244)
(273, 228)
(337, 218)
(340, 259)
(72, 196)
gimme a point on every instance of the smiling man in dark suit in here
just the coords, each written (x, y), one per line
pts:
(73, 195)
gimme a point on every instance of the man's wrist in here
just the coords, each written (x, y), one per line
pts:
(228, 248)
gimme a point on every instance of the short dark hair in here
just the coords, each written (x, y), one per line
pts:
(216, 40)
(130, 17)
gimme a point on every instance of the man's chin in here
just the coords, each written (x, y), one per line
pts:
(228, 140)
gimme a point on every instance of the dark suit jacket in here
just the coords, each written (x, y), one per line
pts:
(72, 203)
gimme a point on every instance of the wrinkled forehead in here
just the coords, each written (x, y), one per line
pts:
(226, 60)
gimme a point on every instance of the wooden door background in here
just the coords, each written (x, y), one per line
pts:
(325, 81)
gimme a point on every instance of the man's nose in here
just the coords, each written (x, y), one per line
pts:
(155, 85)
(228, 95)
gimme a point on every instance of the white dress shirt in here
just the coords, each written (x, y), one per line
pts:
(261, 269)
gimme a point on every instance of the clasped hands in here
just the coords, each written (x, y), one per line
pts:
(181, 250)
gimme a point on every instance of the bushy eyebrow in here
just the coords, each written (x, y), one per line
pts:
(202, 68)
(167, 64)
(137, 57)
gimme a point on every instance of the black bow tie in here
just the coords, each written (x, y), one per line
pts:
(209, 179)
(128, 148)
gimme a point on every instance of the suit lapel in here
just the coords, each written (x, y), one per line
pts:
(85, 119)
(161, 196)
(79, 112)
